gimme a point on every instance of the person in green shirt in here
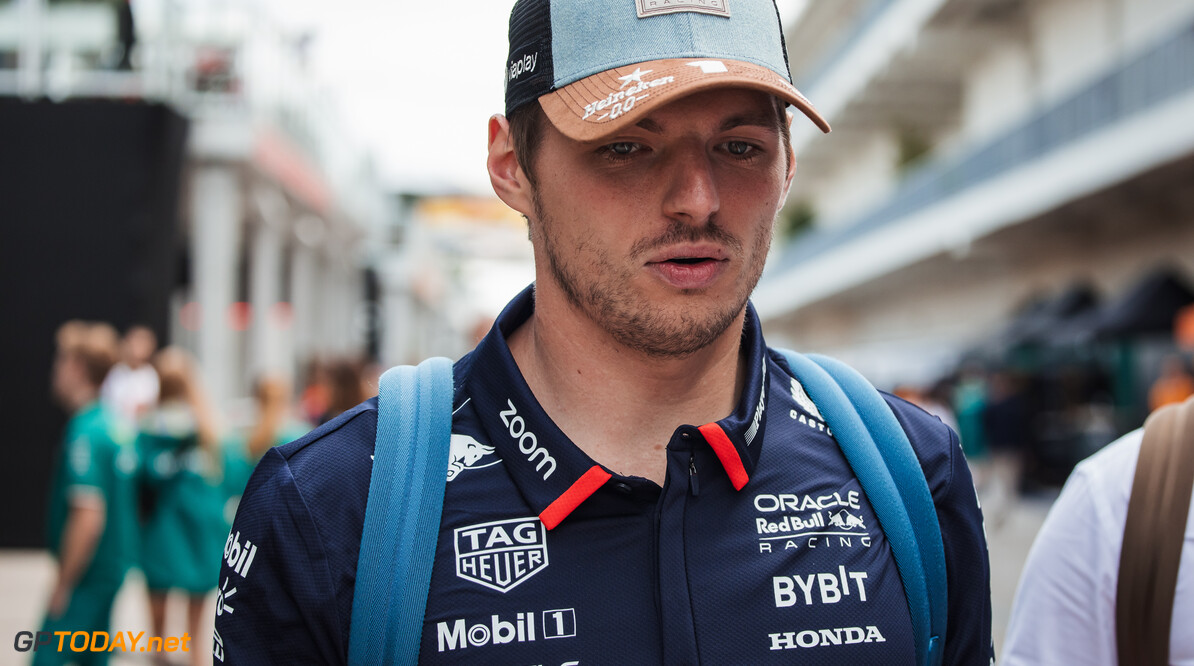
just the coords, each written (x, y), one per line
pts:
(182, 483)
(91, 520)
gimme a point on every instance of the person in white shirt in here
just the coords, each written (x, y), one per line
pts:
(1064, 609)
(131, 386)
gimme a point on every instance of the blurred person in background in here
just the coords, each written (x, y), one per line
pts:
(969, 403)
(183, 493)
(932, 400)
(92, 514)
(1008, 434)
(346, 388)
(132, 385)
(126, 31)
(1173, 385)
(274, 424)
(313, 401)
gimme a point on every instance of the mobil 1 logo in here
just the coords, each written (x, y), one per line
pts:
(462, 633)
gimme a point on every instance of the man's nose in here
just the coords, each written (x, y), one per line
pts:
(691, 195)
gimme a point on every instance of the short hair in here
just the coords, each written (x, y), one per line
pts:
(94, 345)
(528, 121)
(526, 132)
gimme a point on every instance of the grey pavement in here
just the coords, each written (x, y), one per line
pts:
(26, 576)
(1009, 537)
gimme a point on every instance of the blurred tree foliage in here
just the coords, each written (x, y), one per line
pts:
(914, 148)
(796, 219)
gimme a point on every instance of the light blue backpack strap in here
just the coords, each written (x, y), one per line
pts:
(406, 497)
(868, 465)
(909, 478)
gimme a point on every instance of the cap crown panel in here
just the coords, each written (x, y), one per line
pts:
(591, 37)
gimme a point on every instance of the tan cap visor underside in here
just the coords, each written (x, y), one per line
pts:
(606, 102)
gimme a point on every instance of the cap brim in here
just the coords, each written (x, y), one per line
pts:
(604, 103)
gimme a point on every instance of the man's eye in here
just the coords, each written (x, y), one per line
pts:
(738, 147)
(622, 148)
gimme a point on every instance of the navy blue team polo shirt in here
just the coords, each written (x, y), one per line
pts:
(759, 548)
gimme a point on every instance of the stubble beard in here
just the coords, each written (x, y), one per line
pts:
(609, 300)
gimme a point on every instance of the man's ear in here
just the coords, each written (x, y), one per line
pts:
(505, 174)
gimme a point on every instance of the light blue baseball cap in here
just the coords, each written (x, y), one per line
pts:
(597, 66)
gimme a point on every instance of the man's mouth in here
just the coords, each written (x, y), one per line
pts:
(689, 260)
(690, 271)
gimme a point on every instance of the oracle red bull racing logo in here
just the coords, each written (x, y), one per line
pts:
(502, 554)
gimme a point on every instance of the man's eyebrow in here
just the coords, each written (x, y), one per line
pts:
(760, 119)
(650, 125)
(764, 120)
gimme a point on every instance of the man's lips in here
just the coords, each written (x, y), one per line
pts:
(689, 267)
(688, 254)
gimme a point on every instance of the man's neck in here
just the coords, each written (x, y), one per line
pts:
(617, 404)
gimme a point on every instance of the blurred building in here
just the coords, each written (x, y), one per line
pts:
(173, 163)
(276, 202)
(456, 260)
(985, 155)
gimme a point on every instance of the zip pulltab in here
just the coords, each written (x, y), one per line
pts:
(693, 480)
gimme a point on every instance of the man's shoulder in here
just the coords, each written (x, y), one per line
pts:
(348, 427)
(340, 452)
(337, 453)
(1112, 469)
(298, 528)
(313, 491)
(921, 425)
(933, 442)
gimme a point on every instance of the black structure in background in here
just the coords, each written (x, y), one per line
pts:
(89, 218)
(1079, 363)
(1149, 307)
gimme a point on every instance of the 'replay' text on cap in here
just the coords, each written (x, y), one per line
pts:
(597, 66)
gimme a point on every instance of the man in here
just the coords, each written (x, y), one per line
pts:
(92, 513)
(635, 477)
(1065, 606)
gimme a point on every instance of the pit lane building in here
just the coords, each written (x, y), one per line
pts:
(984, 154)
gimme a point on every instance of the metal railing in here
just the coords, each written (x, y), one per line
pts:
(1163, 71)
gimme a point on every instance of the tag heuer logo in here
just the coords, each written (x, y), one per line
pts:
(501, 554)
(656, 7)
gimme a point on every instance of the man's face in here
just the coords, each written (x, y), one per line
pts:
(658, 234)
(138, 346)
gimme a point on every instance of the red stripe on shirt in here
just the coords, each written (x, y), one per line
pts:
(586, 485)
(726, 453)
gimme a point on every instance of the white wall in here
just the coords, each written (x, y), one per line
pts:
(999, 91)
(867, 177)
(1069, 43)
(1075, 40)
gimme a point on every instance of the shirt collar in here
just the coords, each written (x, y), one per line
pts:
(553, 474)
(743, 429)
